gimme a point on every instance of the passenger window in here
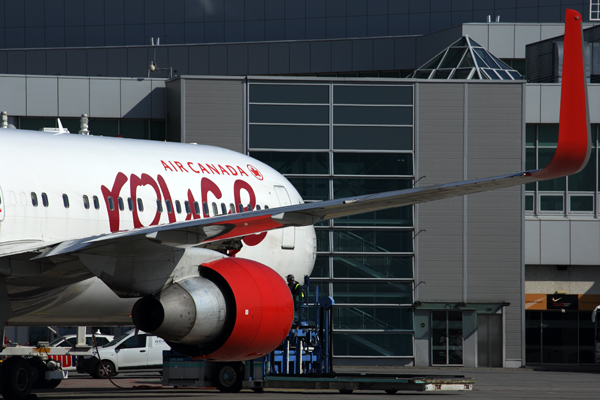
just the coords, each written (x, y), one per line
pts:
(266, 207)
(140, 205)
(197, 207)
(130, 203)
(223, 209)
(215, 209)
(159, 206)
(188, 209)
(178, 206)
(96, 202)
(241, 208)
(257, 207)
(34, 199)
(205, 208)
(86, 202)
(249, 207)
(169, 206)
(121, 205)
(231, 208)
(66, 200)
(111, 203)
(45, 199)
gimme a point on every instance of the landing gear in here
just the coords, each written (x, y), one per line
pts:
(17, 378)
(230, 377)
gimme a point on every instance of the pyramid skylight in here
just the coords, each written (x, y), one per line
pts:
(465, 59)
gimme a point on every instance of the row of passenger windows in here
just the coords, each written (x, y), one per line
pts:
(216, 208)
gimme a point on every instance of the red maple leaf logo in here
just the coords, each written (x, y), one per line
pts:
(254, 171)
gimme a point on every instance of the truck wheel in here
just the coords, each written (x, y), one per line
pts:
(38, 369)
(230, 377)
(18, 378)
(108, 367)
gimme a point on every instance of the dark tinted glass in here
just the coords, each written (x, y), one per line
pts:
(547, 134)
(373, 95)
(289, 137)
(372, 164)
(289, 93)
(372, 292)
(45, 199)
(289, 114)
(322, 239)
(585, 180)
(367, 266)
(66, 200)
(372, 318)
(582, 203)
(372, 241)
(34, 199)
(321, 269)
(372, 344)
(295, 163)
(384, 115)
(372, 138)
(312, 188)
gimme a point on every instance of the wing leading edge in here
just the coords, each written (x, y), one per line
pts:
(572, 154)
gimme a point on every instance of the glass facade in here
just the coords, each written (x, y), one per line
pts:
(553, 337)
(335, 140)
(572, 195)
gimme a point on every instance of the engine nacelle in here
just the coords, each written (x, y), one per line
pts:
(236, 310)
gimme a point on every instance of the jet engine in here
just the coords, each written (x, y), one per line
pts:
(236, 310)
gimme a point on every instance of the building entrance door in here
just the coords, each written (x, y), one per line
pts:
(446, 338)
(489, 340)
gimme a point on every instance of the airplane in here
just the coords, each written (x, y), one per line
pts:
(189, 242)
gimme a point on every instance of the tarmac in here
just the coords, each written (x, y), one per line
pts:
(529, 383)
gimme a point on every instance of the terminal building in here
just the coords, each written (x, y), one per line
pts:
(351, 97)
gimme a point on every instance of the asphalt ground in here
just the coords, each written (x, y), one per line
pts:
(492, 384)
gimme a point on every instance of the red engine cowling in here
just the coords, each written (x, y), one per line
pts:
(257, 303)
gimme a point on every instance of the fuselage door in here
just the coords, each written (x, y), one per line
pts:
(2, 205)
(288, 240)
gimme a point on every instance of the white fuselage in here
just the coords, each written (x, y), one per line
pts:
(92, 185)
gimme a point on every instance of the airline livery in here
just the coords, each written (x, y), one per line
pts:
(190, 242)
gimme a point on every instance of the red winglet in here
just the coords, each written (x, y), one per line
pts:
(574, 137)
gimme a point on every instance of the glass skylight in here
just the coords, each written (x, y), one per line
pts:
(466, 59)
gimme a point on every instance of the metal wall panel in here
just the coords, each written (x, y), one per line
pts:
(42, 96)
(13, 97)
(94, 36)
(35, 62)
(383, 54)
(179, 59)
(494, 219)
(357, 26)
(137, 62)
(550, 103)
(533, 103)
(74, 36)
(56, 62)
(105, 98)
(14, 14)
(525, 34)
(74, 12)
(134, 35)
(362, 55)
(295, 29)
(117, 62)
(158, 99)
(55, 36)
(136, 101)
(34, 37)
(74, 97)
(16, 62)
(585, 236)
(174, 109)
(94, 12)
(341, 55)
(234, 31)
(275, 29)
(3, 63)
(315, 28)
(254, 31)
(114, 35)
(258, 57)
(279, 58)
(320, 56)
(554, 239)
(217, 60)
(335, 27)
(97, 64)
(502, 40)
(214, 113)
(299, 57)
(214, 32)
(532, 242)
(76, 62)
(440, 158)
(377, 25)
(154, 11)
(174, 33)
(114, 12)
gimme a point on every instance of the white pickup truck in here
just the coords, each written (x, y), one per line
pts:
(130, 351)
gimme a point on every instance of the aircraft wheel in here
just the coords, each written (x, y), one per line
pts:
(346, 391)
(391, 391)
(230, 377)
(17, 377)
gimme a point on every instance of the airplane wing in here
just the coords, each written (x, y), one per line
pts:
(571, 156)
